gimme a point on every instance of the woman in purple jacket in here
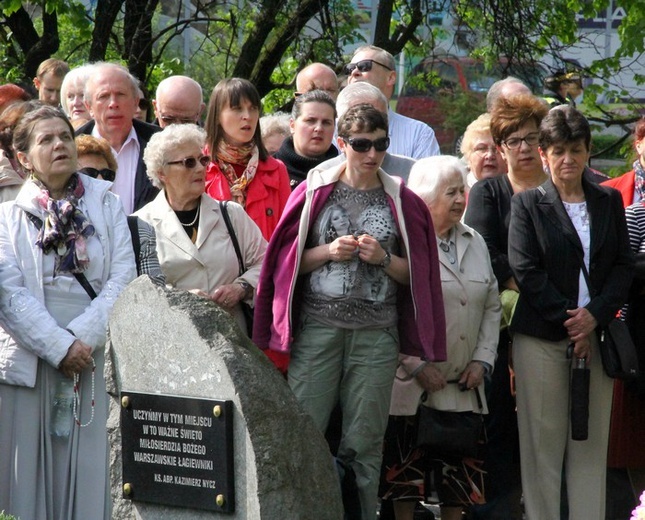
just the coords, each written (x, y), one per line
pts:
(359, 294)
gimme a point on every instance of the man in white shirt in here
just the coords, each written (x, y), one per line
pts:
(111, 96)
(408, 136)
(178, 100)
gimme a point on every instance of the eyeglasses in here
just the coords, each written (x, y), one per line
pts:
(516, 142)
(105, 173)
(483, 150)
(190, 162)
(176, 120)
(362, 66)
(362, 145)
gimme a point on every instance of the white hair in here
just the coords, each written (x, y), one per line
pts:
(76, 76)
(427, 175)
(361, 92)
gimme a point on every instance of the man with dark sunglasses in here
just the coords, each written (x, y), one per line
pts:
(409, 137)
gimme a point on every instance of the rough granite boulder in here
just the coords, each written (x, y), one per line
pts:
(175, 343)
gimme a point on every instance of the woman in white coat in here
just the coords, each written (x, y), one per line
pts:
(63, 230)
(472, 310)
(194, 245)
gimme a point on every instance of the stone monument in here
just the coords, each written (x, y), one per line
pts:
(172, 343)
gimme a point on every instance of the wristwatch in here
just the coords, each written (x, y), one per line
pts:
(387, 260)
(248, 289)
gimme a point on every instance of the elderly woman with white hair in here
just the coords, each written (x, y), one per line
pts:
(473, 311)
(482, 156)
(72, 95)
(195, 248)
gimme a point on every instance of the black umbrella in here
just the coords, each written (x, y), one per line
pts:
(579, 400)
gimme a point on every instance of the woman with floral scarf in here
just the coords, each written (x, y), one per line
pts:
(65, 255)
(241, 169)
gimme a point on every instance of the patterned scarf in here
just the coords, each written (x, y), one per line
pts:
(639, 179)
(65, 228)
(227, 156)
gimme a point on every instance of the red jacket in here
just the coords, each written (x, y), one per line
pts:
(266, 195)
(625, 185)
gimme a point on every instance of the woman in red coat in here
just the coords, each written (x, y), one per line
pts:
(241, 169)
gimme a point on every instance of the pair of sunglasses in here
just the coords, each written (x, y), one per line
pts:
(363, 145)
(362, 66)
(106, 174)
(191, 162)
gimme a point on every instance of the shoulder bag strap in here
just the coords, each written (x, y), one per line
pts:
(231, 232)
(133, 224)
(79, 276)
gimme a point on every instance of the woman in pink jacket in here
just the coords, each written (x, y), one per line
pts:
(241, 169)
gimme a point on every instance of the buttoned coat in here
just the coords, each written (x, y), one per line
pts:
(473, 312)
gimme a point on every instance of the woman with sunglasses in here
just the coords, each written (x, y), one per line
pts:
(312, 130)
(342, 346)
(514, 126)
(95, 158)
(193, 242)
(242, 170)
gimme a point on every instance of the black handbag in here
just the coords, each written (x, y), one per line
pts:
(617, 350)
(450, 434)
(246, 308)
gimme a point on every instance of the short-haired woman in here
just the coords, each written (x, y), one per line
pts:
(193, 243)
(342, 346)
(480, 152)
(570, 254)
(473, 311)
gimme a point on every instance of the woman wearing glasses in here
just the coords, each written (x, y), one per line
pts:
(342, 346)
(570, 254)
(312, 130)
(193, 243)
(242, 170)
(514, 126)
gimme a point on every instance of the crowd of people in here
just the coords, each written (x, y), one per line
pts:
(383, 277)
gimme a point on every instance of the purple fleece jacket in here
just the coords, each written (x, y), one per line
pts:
(421, 333)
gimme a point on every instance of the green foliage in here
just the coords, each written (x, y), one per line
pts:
(460, 109)
(5, 516)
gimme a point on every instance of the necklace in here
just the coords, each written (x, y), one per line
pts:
(76, 403)
(191, 224)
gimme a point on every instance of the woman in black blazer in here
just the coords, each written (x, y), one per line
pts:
(552, 229)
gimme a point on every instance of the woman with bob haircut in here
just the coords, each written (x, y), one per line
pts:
(241, 169)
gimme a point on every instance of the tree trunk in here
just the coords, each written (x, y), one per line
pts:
(105, 16)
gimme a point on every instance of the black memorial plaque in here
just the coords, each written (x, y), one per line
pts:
(178, 451)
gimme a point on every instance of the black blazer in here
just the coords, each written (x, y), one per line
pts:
(545, 255)
(144, 191)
